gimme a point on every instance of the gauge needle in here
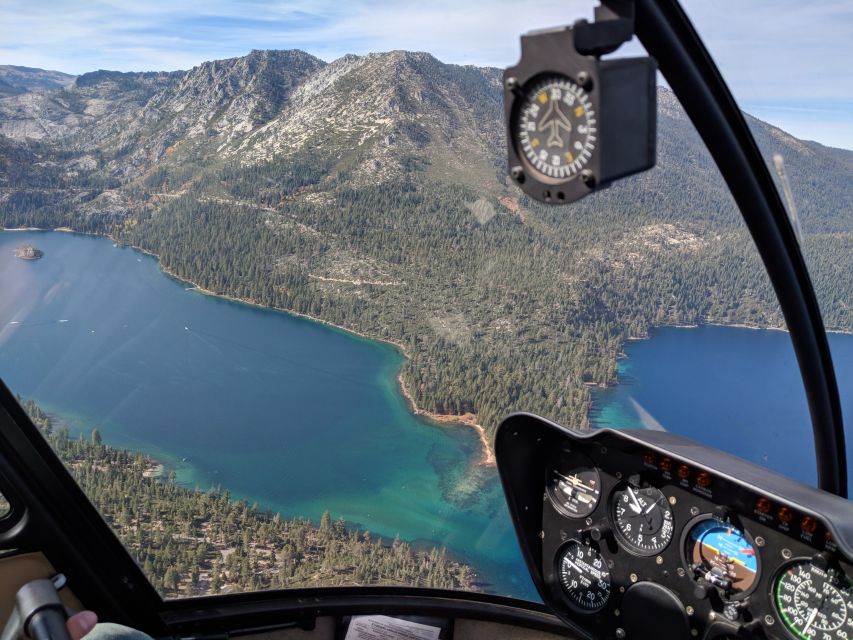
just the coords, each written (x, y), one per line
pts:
(636, 508)
(651, 506)
(579, 570)
(810, 621)
(574, 481)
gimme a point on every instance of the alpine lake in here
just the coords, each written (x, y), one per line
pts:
(301, 418)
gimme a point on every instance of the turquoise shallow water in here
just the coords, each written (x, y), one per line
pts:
(735, 389)
(290, 413)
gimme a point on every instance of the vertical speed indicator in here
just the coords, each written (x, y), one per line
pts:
(556, 128)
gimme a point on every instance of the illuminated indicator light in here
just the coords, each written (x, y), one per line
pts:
(703, 480)
(666, 465)
(763, 505)
(542, 98)
(534, 142)
(578, 111)
(808, 524)
(785, 515)
(648, 457)
(569, 156)
(684, 472)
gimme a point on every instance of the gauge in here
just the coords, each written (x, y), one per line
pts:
(574, 485)
(556, 128)
(814, 602)
(583, 577)
(642, 519)
(721, 554)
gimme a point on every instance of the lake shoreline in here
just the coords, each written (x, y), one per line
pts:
(468, 419)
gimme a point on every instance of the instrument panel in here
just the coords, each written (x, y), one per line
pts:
(633, 534)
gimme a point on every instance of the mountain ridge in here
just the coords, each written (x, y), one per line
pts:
(370, 192)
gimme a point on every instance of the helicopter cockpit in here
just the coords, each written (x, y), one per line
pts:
(625, 532)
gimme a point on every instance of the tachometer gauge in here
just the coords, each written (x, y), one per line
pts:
(721, 554)
(583, 577)
(642, 519)
(574, 485)
(555, 129)
(814, 602)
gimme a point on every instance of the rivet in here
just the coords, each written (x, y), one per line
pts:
(786, 553)
(759, 541)
(673, 500)
(689, 610)
(659, 560)
(768, 620)
(633, 577)
(694, 511)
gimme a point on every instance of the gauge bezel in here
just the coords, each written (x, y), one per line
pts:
(558, 586)
(685, 537)
(772, 593)
(583, 459)
(628, 545)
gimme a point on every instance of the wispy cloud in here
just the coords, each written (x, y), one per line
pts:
(778, 55)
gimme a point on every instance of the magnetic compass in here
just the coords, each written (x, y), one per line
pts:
(555, 129)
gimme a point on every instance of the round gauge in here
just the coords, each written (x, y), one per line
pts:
(642, 519)
(574, 485)
(555, 128)
(814, 602)
(721, 554)
(583, 577)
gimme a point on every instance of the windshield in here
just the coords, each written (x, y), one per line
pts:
(267, 291)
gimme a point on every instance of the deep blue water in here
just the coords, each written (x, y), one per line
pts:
(735, 389)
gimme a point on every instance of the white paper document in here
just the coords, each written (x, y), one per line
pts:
(386, 628)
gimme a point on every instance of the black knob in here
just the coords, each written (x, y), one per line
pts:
(600, 531)
(702, 590)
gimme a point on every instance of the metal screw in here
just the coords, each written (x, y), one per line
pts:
(712, 616)
(659, 560)
(512, 84)
(633, 577)
(610, 564)
(588, 178)
(673, 500)
(694, 632)
(618, 475)
(621, 589)
(541, 535)
(768, 620)
(588, 521)
(786, 553)
(616, 612)
(689, 610)
(694, 511)
(620, 633)
(680, 572)
(603, 450)
(759, 541)
(584, 80)
(517, 174)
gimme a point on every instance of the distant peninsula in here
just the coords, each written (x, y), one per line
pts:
(28, 252)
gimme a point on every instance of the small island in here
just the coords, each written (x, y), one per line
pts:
(28, 252)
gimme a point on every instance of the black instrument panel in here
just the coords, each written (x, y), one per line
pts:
(646, 534)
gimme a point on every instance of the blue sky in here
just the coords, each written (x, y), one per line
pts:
(787, 61)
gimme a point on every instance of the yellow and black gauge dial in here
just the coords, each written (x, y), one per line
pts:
(814, 601)
(555, 129)
(584, 577)
(642, 519)
(573, 485)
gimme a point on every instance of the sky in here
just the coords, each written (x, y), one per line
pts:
(787, 62)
